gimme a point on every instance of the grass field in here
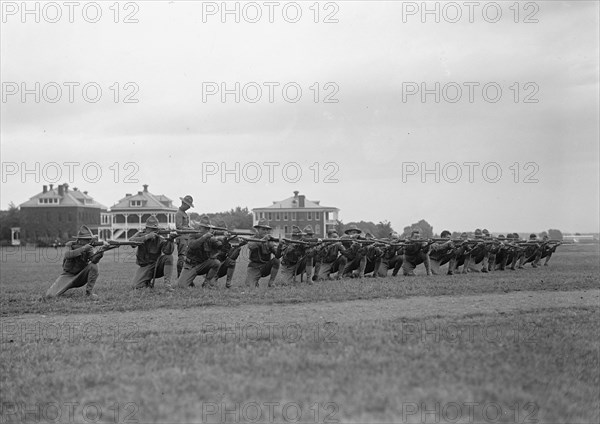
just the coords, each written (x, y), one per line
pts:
(514, 346)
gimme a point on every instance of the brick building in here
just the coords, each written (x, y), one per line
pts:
(129, 214)
(57, 213)
(297, 210)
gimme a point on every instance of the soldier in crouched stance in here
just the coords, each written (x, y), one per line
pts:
(154, 256)
(80, 266)
(201, 257)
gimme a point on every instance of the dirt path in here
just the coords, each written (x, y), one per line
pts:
(177, 320)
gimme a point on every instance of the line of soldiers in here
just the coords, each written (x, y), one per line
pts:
(212, 252)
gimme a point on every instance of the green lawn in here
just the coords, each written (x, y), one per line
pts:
(25, 276)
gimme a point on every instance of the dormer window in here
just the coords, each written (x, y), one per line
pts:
(46, 201)
(135, 203)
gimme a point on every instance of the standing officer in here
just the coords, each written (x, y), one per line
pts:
(80, 266)
(154, 256)
(263, 257)
(182, 222)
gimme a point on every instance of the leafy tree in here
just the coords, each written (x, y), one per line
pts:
(384, 228)
(555, 234)
(9, 218)
(380, 230)
(339, 227)
(237, 218)
(424, 226)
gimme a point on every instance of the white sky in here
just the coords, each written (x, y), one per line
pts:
(370, 54)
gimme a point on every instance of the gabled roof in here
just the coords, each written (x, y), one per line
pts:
(68, 198)
(149, 202)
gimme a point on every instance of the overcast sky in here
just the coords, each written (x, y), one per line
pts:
(378, 134)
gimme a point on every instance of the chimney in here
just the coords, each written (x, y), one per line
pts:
(127, 194)
(301, 198)
(146, 188)
(51, 185)
(85, 192)
(140, 192)
(296, 194)
(74, 188)
(60, 190)
(45, 188)
(66, 186)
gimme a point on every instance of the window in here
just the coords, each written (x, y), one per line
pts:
(318, 229)
(285, 229)
(277, 218)
(317, 216)
(135, 203)
(285, 217)
(309, 216)
(262, 215)
(270, 216)
(294, 216)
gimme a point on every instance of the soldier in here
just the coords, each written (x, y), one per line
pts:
(308, 260)
(477, 255)
(442, 253)
(182, 222)
(228, 256)
(391, 257)
(80, 266)
(331, 258)
(354, 253)
(460, 253)
(201, 256)
(532, 252)
(547, 250)
(263, 257)
(513, 251)
(373, 255)
(499, 252)
(415, 253)
(291, 257)
(154, 256)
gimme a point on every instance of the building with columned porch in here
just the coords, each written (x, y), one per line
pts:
(129, 214)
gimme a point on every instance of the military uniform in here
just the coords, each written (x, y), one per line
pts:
(80, 266)
(532, 252)
(547, 251)
(154, 256)
(391, 258)
(201, 257)
(307, 263)
(182, 222)
(356, 262)
(293, 258)
(442, 253)
(415, 253)
(331, 259)
(263, 258)
(513, 252)
(478, 254)
(373, 255)
(228, 255)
